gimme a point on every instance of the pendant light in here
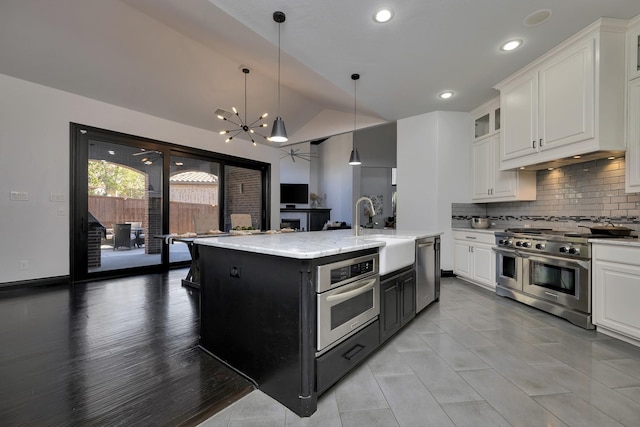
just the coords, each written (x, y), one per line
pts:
(279, 132)
(354, 159)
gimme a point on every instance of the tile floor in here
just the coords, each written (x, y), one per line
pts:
(474, 359)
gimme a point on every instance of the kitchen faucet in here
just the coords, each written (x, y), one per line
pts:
(373, 212)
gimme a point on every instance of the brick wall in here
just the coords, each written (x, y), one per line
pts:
(581, 194)
(243, 194)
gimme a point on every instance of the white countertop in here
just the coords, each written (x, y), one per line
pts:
(309, 245)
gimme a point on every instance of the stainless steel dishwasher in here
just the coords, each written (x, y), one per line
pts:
(427, 271)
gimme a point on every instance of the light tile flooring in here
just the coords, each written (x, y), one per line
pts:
(474, 359)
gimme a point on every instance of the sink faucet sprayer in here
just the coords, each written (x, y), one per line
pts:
(357, 222)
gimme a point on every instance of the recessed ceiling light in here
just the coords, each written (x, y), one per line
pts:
(446, 94)
(111, 152)
(511, 45)
(611, 158)
(550, 169)
(576, 157)
(522, 167)
(537, 17)
(179, 163)
(383, 15)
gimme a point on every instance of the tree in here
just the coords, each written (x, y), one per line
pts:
(111, 179)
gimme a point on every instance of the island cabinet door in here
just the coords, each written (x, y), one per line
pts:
(397, 302)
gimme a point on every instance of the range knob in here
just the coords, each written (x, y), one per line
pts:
(564, 249)
(503, 241)
(526, 244)
(540, 246)
(574, 251)
(518, 243)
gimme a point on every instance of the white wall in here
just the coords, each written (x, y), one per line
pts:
(434, 170)
(34, 158)
(337, 176)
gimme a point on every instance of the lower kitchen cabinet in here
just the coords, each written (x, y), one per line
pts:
(616, 290)
(397, 301)
(473, 258)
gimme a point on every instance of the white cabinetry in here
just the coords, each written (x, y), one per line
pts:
(489, 183)
(473, 258)
(632, 158)
(568, 102)
(616, 290)
(633, 49)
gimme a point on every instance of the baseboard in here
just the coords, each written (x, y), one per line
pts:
(34, 283)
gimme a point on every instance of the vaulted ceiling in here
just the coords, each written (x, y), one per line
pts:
(182, 59)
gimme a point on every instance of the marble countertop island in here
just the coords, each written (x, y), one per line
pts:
(310, 245)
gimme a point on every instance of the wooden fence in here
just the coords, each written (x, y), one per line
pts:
(117, 210)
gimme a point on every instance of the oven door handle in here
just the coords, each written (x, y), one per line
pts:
(562, 261)
(343, 296)
(513, 252)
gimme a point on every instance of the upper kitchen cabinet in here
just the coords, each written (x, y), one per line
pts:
(489, 183)
(632, 158)
(633, 49)
(486, 119)
(568, 102)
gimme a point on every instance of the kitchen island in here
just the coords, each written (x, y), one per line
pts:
(260, 308)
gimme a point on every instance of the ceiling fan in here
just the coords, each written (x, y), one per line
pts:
(293, 153)
(149, 156)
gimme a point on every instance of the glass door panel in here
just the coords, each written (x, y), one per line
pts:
(124, 208)
(194, 200)
(243, 194)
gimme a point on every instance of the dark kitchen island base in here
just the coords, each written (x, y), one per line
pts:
(258, 315)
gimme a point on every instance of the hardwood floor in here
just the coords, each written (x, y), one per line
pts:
(112, 352)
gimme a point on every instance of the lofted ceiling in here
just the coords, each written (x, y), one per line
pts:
(181, 59)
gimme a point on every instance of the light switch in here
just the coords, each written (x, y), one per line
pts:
(19, 196)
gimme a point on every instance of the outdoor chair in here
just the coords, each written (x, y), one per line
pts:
(122, 236)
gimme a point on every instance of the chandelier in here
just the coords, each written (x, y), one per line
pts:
(242, 125)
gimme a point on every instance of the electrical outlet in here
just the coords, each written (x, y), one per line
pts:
(56, 197)
(19, 196)
(23, 264)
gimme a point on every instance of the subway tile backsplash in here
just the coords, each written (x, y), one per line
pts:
(581, 194)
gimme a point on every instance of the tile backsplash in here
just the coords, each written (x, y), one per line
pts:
(581, 194)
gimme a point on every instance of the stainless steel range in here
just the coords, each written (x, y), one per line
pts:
(547, 269)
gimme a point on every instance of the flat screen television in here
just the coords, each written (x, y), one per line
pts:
(294, 193)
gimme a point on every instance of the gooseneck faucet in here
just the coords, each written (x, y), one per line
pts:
(357, 222)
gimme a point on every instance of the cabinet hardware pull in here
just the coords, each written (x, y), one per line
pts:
(488, 191)
(533, 143)
(551, 294)
(540, 142)
(471, 237)
(351, 353)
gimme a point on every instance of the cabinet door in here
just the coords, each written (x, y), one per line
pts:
(519, 110)
(408, 286)
(504, 183)
(567, 97)
(462, 259)
(633, 51)
(389, 308)
(483, 153)
(484, 265)
(632, 158)
(616, 295)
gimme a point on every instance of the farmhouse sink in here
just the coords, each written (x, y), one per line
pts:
(397, 252)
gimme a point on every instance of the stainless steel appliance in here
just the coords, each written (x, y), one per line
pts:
(348, 299)
(427, 271)
(547, 269)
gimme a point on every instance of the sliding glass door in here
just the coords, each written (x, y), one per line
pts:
(129, 193)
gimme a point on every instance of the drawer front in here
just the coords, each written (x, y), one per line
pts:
(618, 254)
(335, 364)
(475, 236)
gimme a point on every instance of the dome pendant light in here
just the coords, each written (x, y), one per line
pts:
(279, 132)
(354, 159)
